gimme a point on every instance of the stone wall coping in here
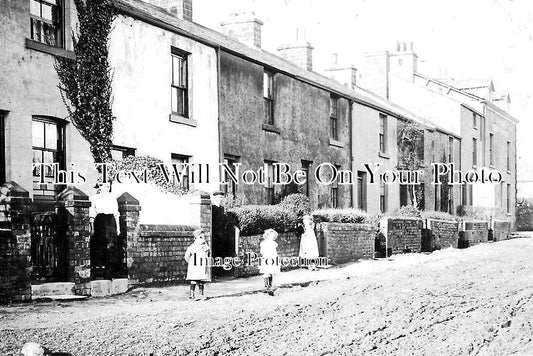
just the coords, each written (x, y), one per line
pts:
(279, 233)
(344, 223)
(13, 189)
(476, 221)
(72, 193)
(401, 218)
(448, 221)
(126, 207)
(156, 227)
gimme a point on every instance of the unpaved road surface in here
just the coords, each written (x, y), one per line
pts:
(477, 301)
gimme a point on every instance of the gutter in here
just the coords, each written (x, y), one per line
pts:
(141, 15)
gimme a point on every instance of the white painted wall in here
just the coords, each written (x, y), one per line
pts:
(140, 55)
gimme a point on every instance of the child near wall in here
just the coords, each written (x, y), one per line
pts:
(197, 263)
(269, 258)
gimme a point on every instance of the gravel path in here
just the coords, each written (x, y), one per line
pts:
(476, 301)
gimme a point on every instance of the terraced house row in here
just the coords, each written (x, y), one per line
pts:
(185, 93)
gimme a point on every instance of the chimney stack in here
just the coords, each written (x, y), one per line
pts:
(244, 27)
(299, 52)
(344, 74)
(181, 8)
(404, 63)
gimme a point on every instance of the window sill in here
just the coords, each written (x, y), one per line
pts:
(182, 120)
(271, 128)
(54, 51)
(509, 172)
(492, 166)
(335, 143)
(474, 166)
(383, 155)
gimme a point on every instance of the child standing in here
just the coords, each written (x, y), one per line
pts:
(269, 257)
(197, 259)
(308, 244)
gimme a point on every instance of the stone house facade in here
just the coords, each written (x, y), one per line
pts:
(471, 114)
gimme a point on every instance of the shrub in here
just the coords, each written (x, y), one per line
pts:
(353, 216)
(139, 164)
(228, 202)
(408, 211)
(439, 215)
(524, 214)
(255, 219)
(298, 203)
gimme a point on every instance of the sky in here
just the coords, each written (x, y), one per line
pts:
(453, 38)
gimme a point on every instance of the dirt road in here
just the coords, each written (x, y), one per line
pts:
(477, 301)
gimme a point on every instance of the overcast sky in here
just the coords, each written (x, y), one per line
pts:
(458, 38)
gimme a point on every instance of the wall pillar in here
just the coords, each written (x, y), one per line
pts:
(72, 209)
(201, 207)
(129, 210)
(202, 211)
(15, 243)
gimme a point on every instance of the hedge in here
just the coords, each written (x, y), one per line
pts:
(299, 203)
(353, 216)
(255, 219)
(413, 212)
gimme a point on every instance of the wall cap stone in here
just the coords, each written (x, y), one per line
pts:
(72, 193)
(127, 199)
(13, 189)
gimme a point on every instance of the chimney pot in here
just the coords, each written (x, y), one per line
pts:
(334, 58)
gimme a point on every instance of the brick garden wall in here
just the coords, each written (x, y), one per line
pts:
(15, 243)
(474, 233)
(402, 234)
(440, 234)
(14, 279)
(343, 242)
(288, 246)
(157, 254)
(501, 230)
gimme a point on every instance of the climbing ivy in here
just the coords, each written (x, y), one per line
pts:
(85, 82)
(410, 145)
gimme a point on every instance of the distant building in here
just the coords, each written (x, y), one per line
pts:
(468, 110)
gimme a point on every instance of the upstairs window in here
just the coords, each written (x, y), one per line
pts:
(508, 156)
(491, 149)
(474, 120)
(268, 96)
(333, 117)
(180, 87)
(382, 133)
(46, 22)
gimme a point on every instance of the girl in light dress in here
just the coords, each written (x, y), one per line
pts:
(269, 257)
